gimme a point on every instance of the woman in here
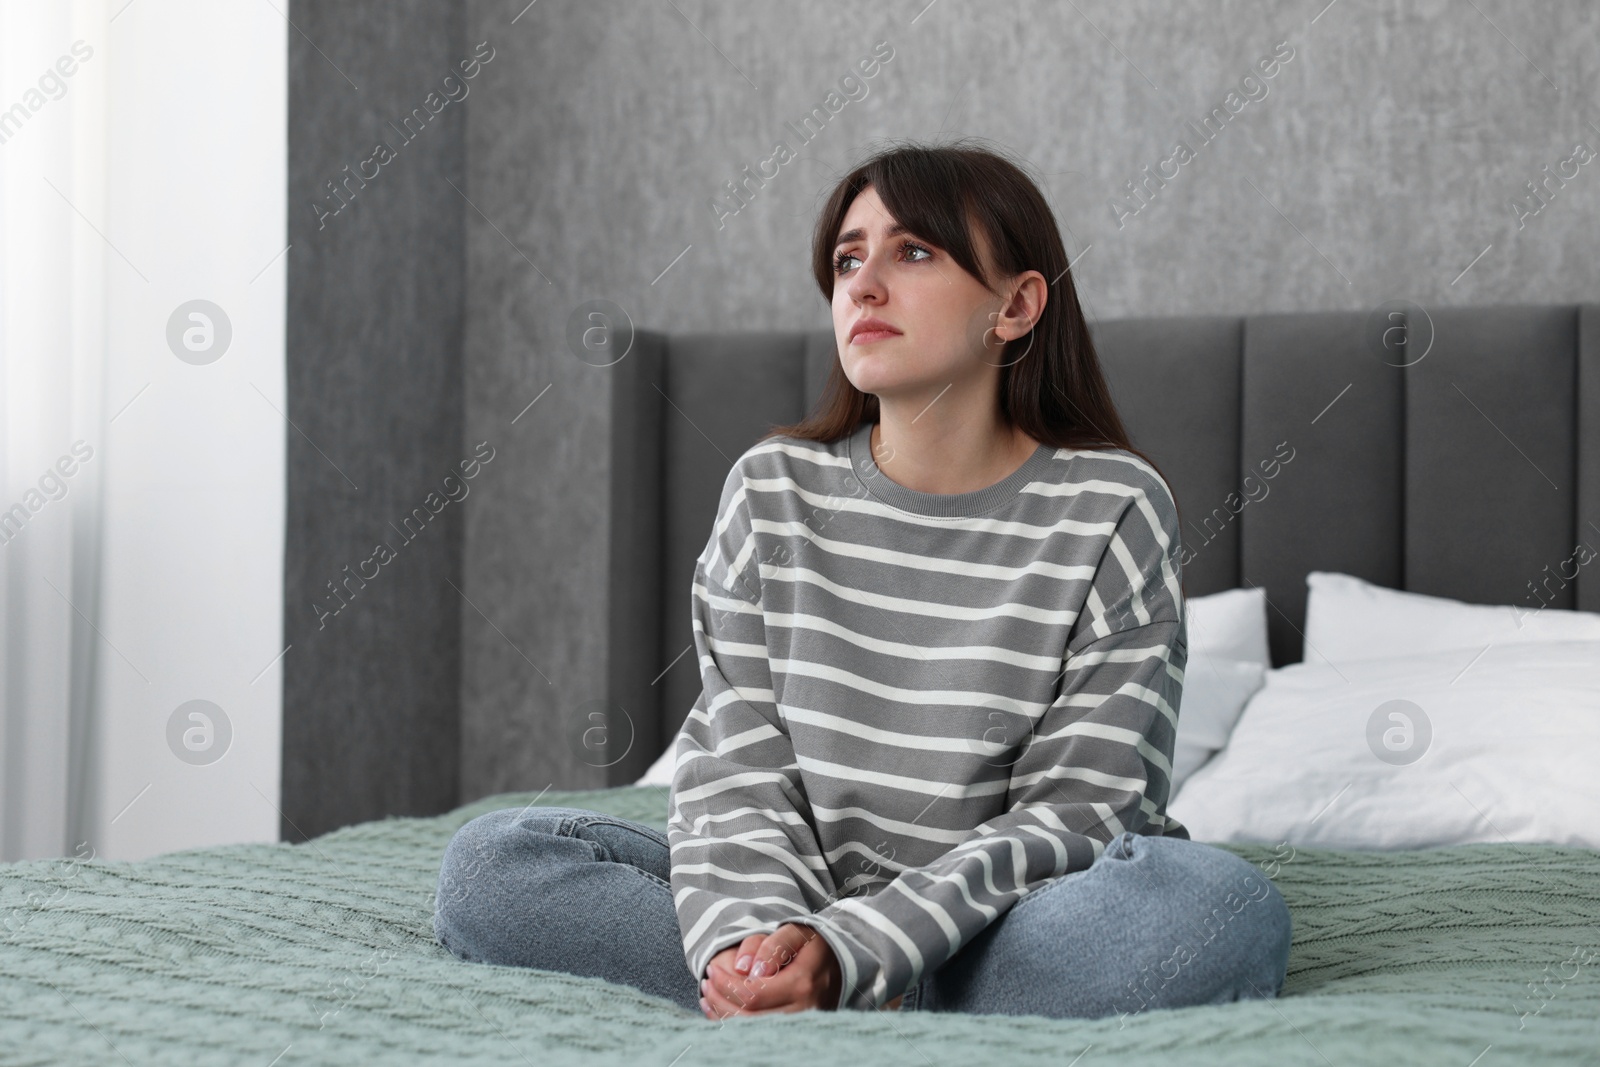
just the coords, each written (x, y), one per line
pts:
(941, 637)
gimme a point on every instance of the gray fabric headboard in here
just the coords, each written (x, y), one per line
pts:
(1473, 472)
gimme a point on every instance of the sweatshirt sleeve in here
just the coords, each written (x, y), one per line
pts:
(1096, 763)
(744, 855)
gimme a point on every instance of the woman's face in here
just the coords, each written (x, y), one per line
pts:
(940, 311)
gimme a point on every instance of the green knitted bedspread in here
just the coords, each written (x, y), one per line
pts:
(323, 953)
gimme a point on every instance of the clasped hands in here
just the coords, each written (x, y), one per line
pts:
(790, 969)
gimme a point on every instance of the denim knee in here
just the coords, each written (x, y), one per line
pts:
(1279, 926)
(476, 869)
(472, 848)
(1153, 923)
(1214, 927)
(512, 856)
(533, 887)
(1269, 915)
(1234, 894)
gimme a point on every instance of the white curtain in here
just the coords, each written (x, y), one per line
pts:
(52, 374)
(143, 168)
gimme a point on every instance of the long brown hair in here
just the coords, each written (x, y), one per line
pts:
(1051, 385)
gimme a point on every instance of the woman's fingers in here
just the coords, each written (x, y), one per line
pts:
(747, 952)
(729, 986)
(734, 994)
(764, 985)
(778, 949)
(713, 1001)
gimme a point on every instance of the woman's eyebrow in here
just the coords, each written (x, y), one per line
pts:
(894, 230)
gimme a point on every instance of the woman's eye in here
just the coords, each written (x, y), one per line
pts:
(907, 247)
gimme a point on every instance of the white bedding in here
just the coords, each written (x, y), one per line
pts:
(1350, 618)
(1447, 747)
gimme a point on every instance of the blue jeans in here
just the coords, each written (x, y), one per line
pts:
(1155, 922)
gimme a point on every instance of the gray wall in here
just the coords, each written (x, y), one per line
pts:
(1383, 163)
(375, 394)
(1380, 165)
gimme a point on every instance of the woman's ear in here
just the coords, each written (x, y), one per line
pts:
(1017, 315)
(1030, 292)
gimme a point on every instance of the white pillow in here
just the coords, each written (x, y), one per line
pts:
(1215, 691)
(660, 772)
(1348, 618)
(1502, 746)
(1229, 625)
(1228, 659)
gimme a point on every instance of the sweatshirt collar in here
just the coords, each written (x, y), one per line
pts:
(942, 505)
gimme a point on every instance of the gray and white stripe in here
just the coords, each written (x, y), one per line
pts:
(911, 719)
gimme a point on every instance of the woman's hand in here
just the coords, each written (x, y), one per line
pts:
(791, 969)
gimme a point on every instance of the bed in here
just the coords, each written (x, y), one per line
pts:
(1476, 953)
(323, 952)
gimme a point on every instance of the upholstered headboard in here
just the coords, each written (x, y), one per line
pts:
(1448, 451)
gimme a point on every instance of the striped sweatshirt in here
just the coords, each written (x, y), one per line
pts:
(917, 708)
